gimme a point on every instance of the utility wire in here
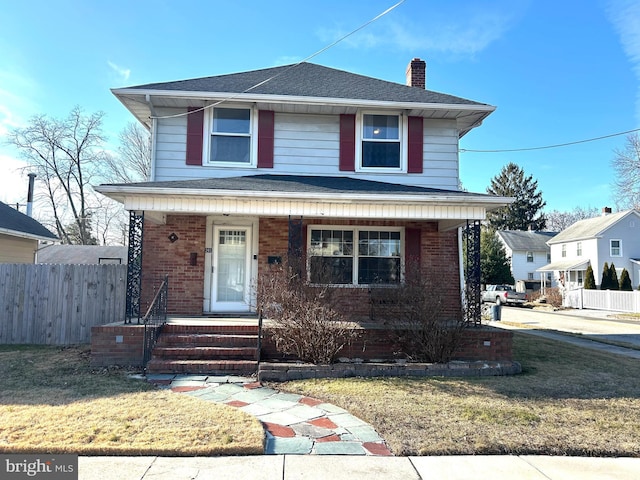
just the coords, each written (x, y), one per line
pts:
(466, 150)
(322, 50)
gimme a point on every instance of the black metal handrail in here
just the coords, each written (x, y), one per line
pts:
(154, 320)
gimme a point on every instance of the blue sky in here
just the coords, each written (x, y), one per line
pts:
(557, 71)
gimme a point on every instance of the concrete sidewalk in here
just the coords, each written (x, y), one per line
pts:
(284, 467)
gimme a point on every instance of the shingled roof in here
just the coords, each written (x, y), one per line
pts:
(12, 222)
(518, 240)
(309, 80)
(591, 227)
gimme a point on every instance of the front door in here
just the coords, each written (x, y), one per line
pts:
(231, 272)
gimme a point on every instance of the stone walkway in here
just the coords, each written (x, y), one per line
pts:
(294, 424)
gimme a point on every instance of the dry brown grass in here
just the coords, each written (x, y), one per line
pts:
(52, 402)
(568, 401)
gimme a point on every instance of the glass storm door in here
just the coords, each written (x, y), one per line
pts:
(231, 269)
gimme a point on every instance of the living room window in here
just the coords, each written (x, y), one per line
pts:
(381, 146)
(230, 139)
(335, 257)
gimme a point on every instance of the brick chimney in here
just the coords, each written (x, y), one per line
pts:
(606, 211)
(417, 73)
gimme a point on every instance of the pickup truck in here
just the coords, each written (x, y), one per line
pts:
(503, 295)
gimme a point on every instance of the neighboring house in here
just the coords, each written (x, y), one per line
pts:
(83, 254)
(359, 174)
(20, 236)
(527, 252)
(612, 238)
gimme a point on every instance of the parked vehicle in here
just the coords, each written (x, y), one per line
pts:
(503, 295)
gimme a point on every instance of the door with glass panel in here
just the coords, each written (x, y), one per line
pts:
(231, 269)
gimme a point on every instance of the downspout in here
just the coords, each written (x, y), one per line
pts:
(154, 129)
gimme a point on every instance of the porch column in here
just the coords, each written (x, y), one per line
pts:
(472, 310)
(134, 266)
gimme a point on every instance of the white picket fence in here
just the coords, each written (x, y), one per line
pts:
(603, 300)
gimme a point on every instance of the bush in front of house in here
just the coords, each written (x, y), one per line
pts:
(414, 311)
(554, 297)
(625, 281)
(614, 284)
(589, 280)
(605, 282)
(305, 322)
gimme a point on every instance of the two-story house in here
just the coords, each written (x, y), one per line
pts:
(527, 252)
(361, 175)
(611, 237)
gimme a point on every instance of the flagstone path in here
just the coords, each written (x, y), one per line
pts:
(294, 424)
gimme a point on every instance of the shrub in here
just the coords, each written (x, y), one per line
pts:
(414, 311)
(614, 284)
(305, 323)
(589, 280)
(625, 281)
(554, 297)
(606, 278)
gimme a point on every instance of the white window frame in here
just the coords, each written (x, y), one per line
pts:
(579, 249)
(356, 230)
(563, 251)
(530, 276)
(253, 137)
(611, 254)
(402, 134)
(530, 255)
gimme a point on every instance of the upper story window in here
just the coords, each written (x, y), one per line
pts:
(616, 248)
(381, 141)
(529, 257)
(548, 257)
(564, 249)
(230, 140)
(336, 257)
(579, 249)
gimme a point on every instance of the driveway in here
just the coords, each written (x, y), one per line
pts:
(594, 327)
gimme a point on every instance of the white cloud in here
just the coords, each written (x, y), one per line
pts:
(13, 181)
(625, 17)
(122, 72)
(16, 92)
(460, 33)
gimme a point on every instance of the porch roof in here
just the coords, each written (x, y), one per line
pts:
(310, 196)
(566, 265)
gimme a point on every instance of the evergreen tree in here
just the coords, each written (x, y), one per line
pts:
(589, 281)
(625, 281)
(495, 267)
(614, 284)
(604, 282)
(525, 212)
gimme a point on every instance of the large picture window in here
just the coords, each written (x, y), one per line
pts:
(381, 136)
(230, 135)
(334, 260)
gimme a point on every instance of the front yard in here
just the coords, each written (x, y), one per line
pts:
(568, 401)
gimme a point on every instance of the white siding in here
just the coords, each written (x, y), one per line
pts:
(520, 268)
(309, 145)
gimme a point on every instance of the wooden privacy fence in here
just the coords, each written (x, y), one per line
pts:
(58, 304)
(614, 300)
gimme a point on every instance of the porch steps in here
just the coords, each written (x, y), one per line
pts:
(206, 349)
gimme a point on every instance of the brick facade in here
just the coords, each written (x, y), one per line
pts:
(117, 345)
(161, 256)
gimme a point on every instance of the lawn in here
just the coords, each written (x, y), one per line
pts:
(567, 401)
(52, 402)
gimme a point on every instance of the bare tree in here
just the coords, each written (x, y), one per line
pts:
(133, 162)
(66, 154)
(558, 221)
(626, 164)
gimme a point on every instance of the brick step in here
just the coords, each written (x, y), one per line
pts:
(211, 329)
(205, 353)
(206, 339)
(212, 367)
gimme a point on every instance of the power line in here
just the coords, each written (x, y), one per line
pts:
(557, 145)
(322, 50)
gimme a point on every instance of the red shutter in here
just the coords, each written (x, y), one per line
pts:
(347, 143)
(195, 125)
(414, 148)
(412, 250)
(265, 139)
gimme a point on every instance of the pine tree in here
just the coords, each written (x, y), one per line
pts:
(525, 212)
(495, 267)
(604, 282)
(614, 284)
(625, 281)
(589, 281)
